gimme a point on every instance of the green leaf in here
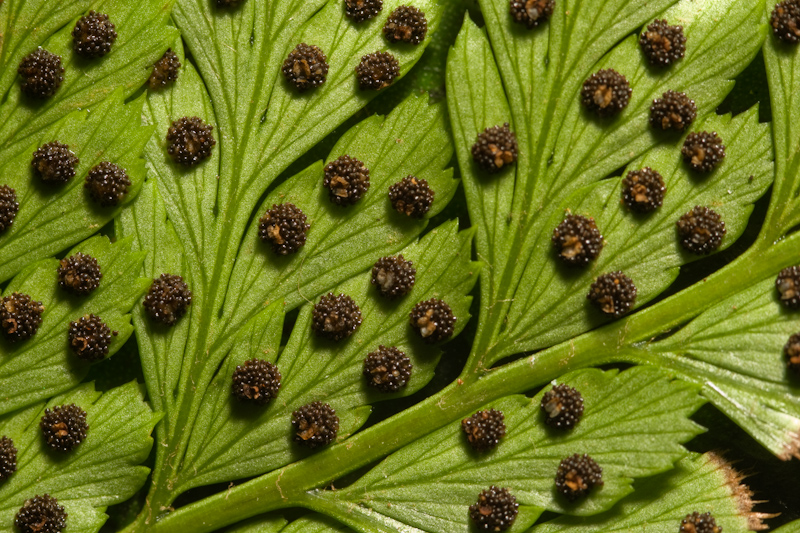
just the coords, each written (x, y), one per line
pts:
(24, 24)
(645, 247)
(51, 219)
(47, 359)
(782, 62)
(632, 426)
(191, 227)
(231, 442)
(266, 123)
(100, 472)
(188, 194)
(143, 35)
(344, 241)
(147, 225)
(201, 223)
(562, 149)
(735, 351)
(699, 483)
(791, 527)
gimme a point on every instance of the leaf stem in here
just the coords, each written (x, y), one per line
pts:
(288, 486)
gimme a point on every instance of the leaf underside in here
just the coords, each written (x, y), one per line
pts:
(202, 222)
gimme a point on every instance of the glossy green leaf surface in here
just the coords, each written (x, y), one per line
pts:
(699, 483)
(572, 149)
(735, 350)
(701, 329)
(235, 441)
(101, 471)
(51, 218)
(616, 429)
(47, 358)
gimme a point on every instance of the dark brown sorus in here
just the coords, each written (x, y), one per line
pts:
(79, 274)
(643, 190)
(284, 227)
(433, 320)
(495, 148)
(663, 44)
(41, 74)
(315, 425)
(576, 240)
(64, 427)
(9, 207)
(531, 13)
(562, 406)
(387, 369)
(495, 510)
(484, 429)
(20, 316)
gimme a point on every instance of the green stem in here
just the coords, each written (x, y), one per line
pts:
(288, 486)
(284, 487)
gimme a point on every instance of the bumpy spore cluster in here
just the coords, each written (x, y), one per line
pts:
(411, 196)
(107, 184)
(54, 163)
(20, 316)
(165, 70)
(335, 317)
(41, 514)
(495, 148)
(256, 381)
(791, 352)
(8, 458)
(315, 425)
(79, 274)
(189, 141)
(306, 67)
(387, 369)
(699, 523)
(9, 207)
(406, 24)
(64, 427)
(90, 338)
(495, 510)
(41, 74)
(284, 227)
(703, 151)
(562, 406)
(531, 13)
(606, 93)
(701, 230)
(377, 71)
(788, 285)
(168, 299)
(663, 44)
(785, 21)
(433, 320)
(393, 276)
(484, 429)
(347, 180)
(361, 10)
(643, 190)
(93, 35)
(577, 240)
(673, 111)
(613, 293)
(577, 475)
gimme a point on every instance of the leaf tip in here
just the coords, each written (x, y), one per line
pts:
(740, 492)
